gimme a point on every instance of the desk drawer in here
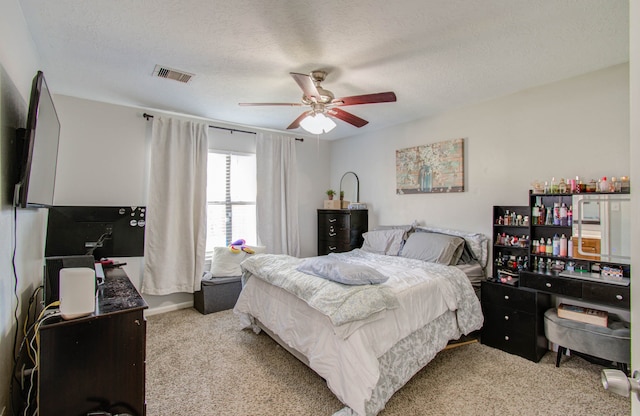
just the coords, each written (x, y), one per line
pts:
(509, 297)
(512, 342)
(613, 295)
(508, 320)
(551, 284)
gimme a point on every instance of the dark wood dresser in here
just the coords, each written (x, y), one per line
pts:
(341, 230)
(96, 363)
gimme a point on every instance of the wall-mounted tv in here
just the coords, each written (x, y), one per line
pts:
(38, 149)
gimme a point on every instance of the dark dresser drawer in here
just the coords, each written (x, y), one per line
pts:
(509, 319)
(551, 284)
(613, 295)
(326, 247)
(510, 297)
(513, 342)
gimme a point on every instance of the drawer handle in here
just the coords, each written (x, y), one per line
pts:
(506, 317)
(506, 337)
(332, 234)
(506, 297)
(547, 284)
(332, 219)
(332, 248)
(619, 297)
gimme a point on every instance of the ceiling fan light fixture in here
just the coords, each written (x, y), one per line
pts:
(317, 123)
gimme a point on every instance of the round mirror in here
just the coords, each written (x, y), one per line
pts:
(350, 185)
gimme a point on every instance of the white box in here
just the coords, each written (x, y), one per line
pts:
(77, 292)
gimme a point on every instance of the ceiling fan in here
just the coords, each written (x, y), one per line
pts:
(324, 104)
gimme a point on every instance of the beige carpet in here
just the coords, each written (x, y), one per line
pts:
(206, 365)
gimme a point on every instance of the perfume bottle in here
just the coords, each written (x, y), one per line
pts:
(562, 186)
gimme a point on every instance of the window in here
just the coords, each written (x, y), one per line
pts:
(231, 199)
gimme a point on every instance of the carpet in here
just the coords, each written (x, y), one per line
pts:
(207, 365)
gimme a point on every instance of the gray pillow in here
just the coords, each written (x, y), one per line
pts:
(433, 247)
(341, 272)
(386, 242)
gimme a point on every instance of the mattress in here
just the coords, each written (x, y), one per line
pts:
(350, 358)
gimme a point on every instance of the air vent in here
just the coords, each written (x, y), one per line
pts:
(164, 72)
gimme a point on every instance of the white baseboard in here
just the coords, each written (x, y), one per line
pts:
(168, 308)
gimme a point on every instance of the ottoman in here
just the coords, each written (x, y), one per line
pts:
(217, 294)
(612, 343)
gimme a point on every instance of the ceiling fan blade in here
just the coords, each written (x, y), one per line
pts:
(296, 123)
(281, 104)
(348, 117)
(306, 84)
(381, 97)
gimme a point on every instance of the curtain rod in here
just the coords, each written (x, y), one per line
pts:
(148, 116)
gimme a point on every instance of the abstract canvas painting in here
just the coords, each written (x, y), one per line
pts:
(431, 168)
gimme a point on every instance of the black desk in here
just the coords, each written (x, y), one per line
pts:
(588, 291)
(96, 362)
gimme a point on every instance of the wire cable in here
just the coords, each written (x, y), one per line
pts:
(101, 239)
(14, 241)
(36, 350)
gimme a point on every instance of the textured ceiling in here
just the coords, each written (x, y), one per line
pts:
(435, 54)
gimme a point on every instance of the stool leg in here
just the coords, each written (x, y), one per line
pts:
(561, 352)
(623, 367)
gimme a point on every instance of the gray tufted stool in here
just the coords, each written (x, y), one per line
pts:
(612, 343)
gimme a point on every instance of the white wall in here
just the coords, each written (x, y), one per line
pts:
(102, 160)
(579, 126)
(18, 65)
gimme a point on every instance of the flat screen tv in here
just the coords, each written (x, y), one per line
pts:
(38, 149)
(98, 231)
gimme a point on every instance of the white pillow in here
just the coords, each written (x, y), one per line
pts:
(226, 263)
(386, 242)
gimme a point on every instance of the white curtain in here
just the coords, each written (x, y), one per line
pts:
(175, 236)
(277, 198)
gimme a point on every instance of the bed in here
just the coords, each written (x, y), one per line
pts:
(369, 319)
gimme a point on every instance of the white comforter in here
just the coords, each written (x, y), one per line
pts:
(347, 355)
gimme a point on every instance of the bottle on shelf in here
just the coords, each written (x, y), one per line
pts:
(556, 245)
(604, 185)
(549, 249)
(562, 186)
(624, 184)
(556, 213)
(549, 217)
(570, 216)
(569, 247)
(563, 214)
(563, 246)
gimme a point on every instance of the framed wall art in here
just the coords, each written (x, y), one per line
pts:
(431, 168)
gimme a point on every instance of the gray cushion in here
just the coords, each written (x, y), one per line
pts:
(433, 247)
(611, 343)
